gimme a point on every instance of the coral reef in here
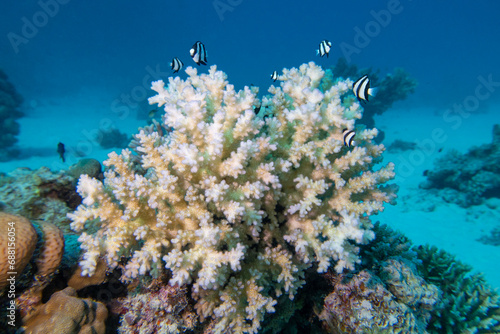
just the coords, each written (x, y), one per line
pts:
(392, 88)
(65, 313)
(236, 204)
(299, 315)
(39, 195)
(492, 239)
(470, 178)
(112, 138)
(468, 304)
(10, 102)
(90, 167)
(39, 250)
(401, 288)
(362, 304)
(401, 145)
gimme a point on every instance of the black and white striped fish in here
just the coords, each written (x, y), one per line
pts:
(348, 137)
(324, 48)
(176, 64)
(361, 89)
(199, 53)
(274, 76)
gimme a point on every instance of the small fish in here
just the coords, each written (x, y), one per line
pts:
(152, 112)
(199, 53)
(61, 151)
(176, 64)
(348, 137)
(274, 76)
(324, 48)
(361, 89)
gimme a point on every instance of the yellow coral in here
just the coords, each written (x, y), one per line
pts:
(65, 313)
(52, 250)
(77, 281)
(17, 242)
(229, 197)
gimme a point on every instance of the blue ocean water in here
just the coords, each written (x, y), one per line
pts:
(446, 47)
(103, 55)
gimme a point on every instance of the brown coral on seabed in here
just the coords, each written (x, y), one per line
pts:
(48, 258)
(18, 246)
(52, 250)
(65, 313)
(77, 281)
(18, 240)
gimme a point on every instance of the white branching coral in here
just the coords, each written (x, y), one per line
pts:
(235, 202)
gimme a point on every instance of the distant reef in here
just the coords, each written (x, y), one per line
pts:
(468, 179)
(10, 102)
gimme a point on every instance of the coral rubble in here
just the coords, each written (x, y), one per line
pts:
(238, 204)
(470, 178)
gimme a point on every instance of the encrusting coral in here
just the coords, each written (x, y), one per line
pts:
(238, 204)
(65, 313)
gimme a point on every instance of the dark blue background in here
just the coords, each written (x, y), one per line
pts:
(106, 45)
